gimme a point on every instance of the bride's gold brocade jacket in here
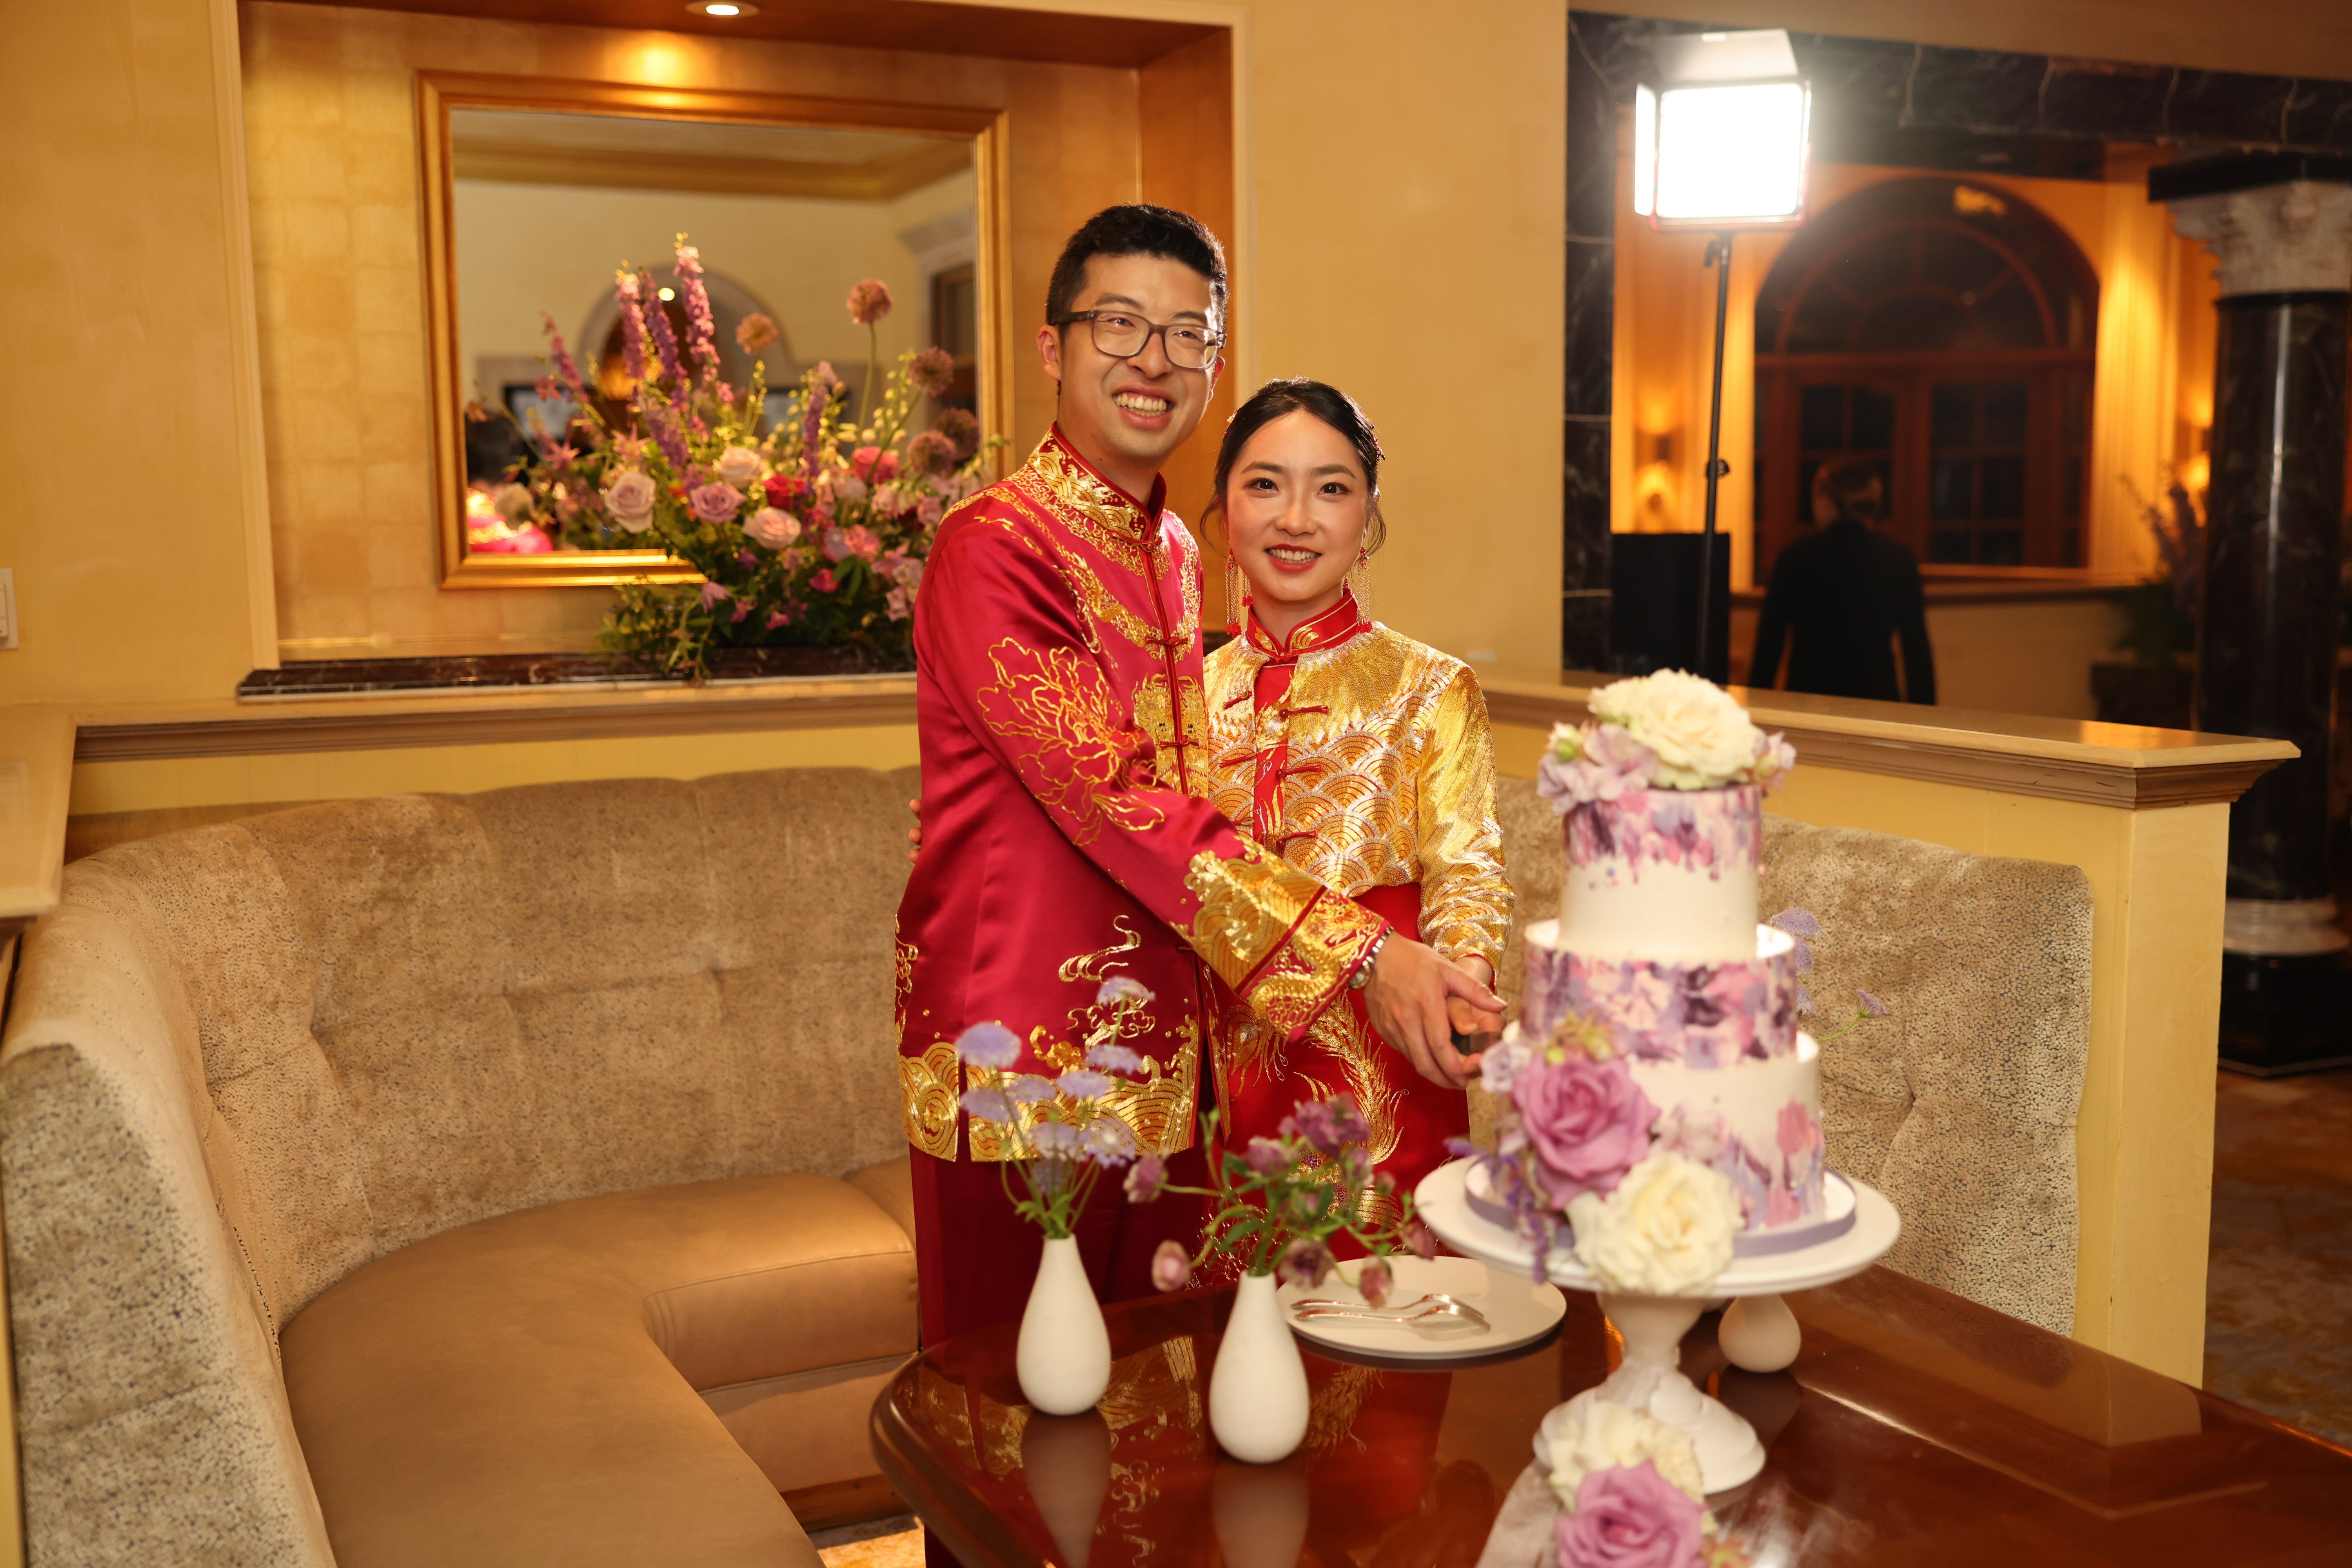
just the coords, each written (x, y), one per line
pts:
(1371, 770)
(1066, 835)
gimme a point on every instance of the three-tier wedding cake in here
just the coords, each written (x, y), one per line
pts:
(1658, 951)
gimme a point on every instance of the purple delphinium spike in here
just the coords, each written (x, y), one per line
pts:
(666, 434)
(1871, 1004)
(566, 372)
(701, 329)
(665, 341)
(632, 324)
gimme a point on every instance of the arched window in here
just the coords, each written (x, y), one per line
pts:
(1944, 332)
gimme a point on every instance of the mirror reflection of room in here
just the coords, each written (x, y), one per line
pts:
(788, 218)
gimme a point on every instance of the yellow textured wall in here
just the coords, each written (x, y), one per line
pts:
(132, 477)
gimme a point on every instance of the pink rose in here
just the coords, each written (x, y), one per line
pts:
(1797, 1131)
(630, 499)
(863, 542)
(823, 582)
(772, 527)
(1589, 1122)
(716, 502)
(1630, 1517)
(875, 464)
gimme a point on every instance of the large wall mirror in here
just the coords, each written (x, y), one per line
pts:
(537, 190)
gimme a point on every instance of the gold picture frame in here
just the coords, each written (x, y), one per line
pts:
(439, 92)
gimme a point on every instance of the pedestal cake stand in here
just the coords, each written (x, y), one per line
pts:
(1650, 1377)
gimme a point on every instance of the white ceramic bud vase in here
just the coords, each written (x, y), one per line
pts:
(1063, 1356)
(1258, 1395)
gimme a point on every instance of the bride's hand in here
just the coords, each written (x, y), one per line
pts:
(1409, 996)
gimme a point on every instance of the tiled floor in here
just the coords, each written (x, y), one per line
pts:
(895, 1543)
(2278, 1301)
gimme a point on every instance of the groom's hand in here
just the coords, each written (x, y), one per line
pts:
(1407, 998)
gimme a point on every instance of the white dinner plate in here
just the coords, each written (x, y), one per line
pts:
(1519, 1311)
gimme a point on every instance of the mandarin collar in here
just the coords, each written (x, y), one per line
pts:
(1332, 627)
(1147, 512)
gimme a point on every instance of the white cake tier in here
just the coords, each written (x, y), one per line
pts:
(1705, 1014)
(1662, 873)
(1763, 1119)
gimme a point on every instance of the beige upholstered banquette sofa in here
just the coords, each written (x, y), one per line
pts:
(516, 1178)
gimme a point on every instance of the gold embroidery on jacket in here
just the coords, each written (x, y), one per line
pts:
(1081, 762)
(1391, 782)
(930, 1086)
(903, 954)
(1249, 905)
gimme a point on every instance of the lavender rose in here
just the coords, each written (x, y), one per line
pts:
(740, 467)
(1630, 1517)
(715, 502)
(630, 499)
(1589, 1122)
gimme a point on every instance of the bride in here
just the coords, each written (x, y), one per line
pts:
(1358, 754)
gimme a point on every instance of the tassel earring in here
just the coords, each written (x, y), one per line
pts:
(1237, 602)
(1360, 584)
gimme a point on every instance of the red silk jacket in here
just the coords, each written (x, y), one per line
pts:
(1066, 837)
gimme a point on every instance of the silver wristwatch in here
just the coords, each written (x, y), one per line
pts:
(1363, 976)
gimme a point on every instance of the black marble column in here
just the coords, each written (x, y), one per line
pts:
(2280, 227)
(1591, 294)
(2274, 514)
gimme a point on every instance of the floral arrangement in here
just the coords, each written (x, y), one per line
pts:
(1665, 731)
(1060, 1129)
(1580, 1141)
(811, 531)
(1282, 1199)
(1629, 1492)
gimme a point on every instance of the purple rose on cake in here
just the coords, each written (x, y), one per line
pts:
(1589, 1123)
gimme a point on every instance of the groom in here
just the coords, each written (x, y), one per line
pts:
(1065, 840)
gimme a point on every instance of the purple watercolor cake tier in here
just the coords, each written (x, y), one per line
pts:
(1662, 873)
(1702, 1013)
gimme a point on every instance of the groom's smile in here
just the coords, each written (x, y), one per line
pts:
(1125, 413)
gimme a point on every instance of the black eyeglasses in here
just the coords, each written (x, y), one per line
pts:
(1121, 334)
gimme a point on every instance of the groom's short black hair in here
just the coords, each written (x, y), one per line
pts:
(1138, 228)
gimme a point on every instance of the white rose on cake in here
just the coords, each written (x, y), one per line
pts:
(1701, 738)
(1584, 1435)
(1667, 1229)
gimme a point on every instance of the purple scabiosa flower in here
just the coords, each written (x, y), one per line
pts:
(931, 453)
(1144, 1179)
(711, 594)
(1084, 1083)
(987, 1104)
(1306, 1261)
(1028, 1089)
(961, 426)
(931, 372)
(1419, 1239)
(1312, 1119)
(1118, 991)
(1871, 1004)
(1265, 1156)
(1348, 1123)
(756, 331)
(1109, 1142)
(869, 301)
(1114, 1058)
(990, 1045)
(1171, 1266)
(1058, 1141)
(1374, 1281)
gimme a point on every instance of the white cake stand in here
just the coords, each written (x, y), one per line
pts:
(1650, 1377)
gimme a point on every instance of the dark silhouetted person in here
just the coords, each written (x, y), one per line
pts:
(1846, 592)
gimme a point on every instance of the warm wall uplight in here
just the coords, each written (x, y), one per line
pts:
(1719, 141)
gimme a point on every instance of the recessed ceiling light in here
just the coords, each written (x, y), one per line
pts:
(670, 293)
(723, 8)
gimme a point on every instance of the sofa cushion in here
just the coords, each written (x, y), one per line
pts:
(524, 1389)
